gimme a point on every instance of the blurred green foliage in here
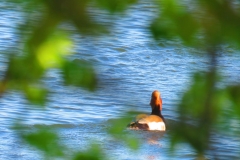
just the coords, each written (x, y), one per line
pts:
(93, 153)
(79, 73)
(174, 21)
(45, 140)
(198, 112)
(115, 5)
(206, 24)
(205, 108)
(118, 130)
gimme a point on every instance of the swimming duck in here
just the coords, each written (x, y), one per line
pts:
(154, 121)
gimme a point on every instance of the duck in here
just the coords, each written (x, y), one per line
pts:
(154, 121)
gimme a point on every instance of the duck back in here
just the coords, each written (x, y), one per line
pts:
(148, 122)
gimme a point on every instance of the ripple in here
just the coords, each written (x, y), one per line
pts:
(131, 66)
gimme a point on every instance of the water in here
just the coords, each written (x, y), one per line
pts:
(130, 66)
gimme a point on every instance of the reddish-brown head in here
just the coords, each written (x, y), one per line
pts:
(156, 100)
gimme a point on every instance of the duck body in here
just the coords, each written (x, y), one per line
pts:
(148, 122)
(154, 121)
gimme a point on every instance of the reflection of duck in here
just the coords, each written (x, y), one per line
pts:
(154, 121)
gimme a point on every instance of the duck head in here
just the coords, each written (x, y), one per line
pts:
(156, 100)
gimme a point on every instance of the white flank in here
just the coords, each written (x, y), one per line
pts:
(160, 126)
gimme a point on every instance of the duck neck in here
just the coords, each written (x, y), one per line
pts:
(156, 111)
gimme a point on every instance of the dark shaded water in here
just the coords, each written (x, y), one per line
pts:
(130, 66)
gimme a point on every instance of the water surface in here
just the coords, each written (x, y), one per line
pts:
(130, 66)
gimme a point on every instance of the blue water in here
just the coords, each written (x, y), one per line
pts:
(130, 65)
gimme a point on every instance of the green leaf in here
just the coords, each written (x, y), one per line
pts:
(79, 73)
(162, 28)
(118, 129)
(132, 142)
(175, 21)
(24, 69)
(115, 5)
(234, 96)
(36, 94)
(53, 51)
(93, 153)
(198, 111)
(45, 140)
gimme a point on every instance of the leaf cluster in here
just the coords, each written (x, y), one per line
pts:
(204, 107)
